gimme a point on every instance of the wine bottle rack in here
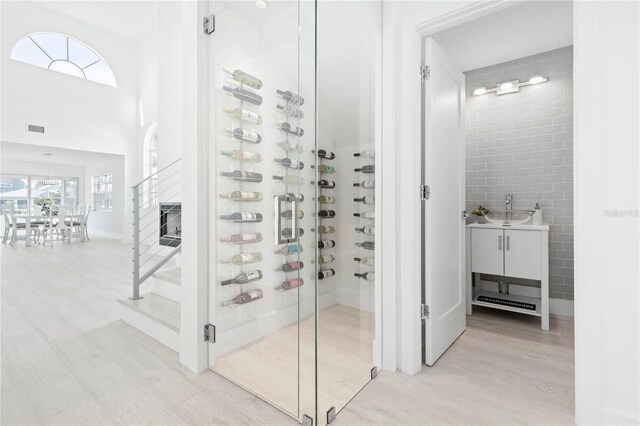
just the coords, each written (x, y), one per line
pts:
(365, 201)
(323, 170)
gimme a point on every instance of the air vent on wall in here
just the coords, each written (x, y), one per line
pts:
(34, 128)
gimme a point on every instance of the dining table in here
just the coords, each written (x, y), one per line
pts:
(32, 219)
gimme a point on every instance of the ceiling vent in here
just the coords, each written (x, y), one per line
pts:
(34, 128)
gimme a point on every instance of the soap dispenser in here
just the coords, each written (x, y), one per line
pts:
(537, 215)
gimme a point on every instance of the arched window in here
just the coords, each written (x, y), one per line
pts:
(58, 52)
(150, 166)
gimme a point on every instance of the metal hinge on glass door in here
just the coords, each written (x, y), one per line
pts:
(210, 333)
(209, 24)
(425, 192)
(425, 73)
(424, 311)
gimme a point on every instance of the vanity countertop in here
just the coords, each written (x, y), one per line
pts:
(524, 227)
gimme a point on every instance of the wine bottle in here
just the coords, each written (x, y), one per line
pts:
(244, 78)
(327, 214)
(290, 179)
(368, 199)
(289, 214)
(326, 199)
(244, 278)
(244, 298)
(323, 168)
(323, 183)
(290, 128)
(289, 249)
(324, 244)
(290, 146)
(368, 245)
(288, 232)
(298, 197)
(369, 276)
(242, 217)
(290, 266)
(243, 176)
(366, 169)
(327, 258)
(365, 153)
(288, 162)
(236, 154)
(322, 229)
(369, 261)
(291, 97)
(368, 184)
(244, 258)
(366, 215)
(290, 284)
(326, 273)
(327, 155)
(369, 230)
(243, 114)
(243, 238)
(244, 135)
(290, 111)
(243, 196)
(243, 94)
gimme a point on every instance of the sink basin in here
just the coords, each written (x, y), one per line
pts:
(508, 217)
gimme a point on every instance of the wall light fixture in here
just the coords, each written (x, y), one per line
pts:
(511, 86)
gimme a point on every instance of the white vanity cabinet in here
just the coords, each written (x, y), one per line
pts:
(511, 251)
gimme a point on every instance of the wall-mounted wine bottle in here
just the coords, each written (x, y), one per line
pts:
(290, 179)
(365, 153)
(290, 111)
(243, 94)
(369, 230)
(323, 168)
(243, 259)
(236, 154)
(243, 238)
(366, 169)
(244, 278)
(322, 229)
(290, 284)
(290, 128)
(368, 199)
(243, 176)
(243, 217)
(369, 276)
(323, 183)
(289, 214)
(327, 155)
(289, 249)
(290, 266)
(366, 215)
(288, 232)
(290, 146)
(244, 135)
(243, 196)
(299, 197)
(369, 261)
(291, 97)
(243, 114)
(324, 244)
(326, 258)
(244, 298)
(327, 214)
(244, 78)
(288, 162)
(368, 245)
(326, 273)
(326, 199)
(368, 184)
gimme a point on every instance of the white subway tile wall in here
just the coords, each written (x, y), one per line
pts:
(522, 143)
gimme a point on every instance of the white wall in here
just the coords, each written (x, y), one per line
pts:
(606, 202)
(77, 114)
(108, 224)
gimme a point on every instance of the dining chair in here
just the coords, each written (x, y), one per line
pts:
(7, 226)
(76, 221)
(62, 230)
(15, 226)
(86, 222)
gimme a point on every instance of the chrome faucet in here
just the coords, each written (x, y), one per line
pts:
(507, 202)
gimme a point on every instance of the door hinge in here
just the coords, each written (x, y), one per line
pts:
(424, 311)
(425, 73)
(210, 333)
(209, 24)
(464, 214)
(425, 192)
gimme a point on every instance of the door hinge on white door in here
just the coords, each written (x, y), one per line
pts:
(425, 192)
(210, 333)
(209, 24)
(425, 73)
(424, 311)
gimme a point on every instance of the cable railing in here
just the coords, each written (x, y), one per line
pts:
(156, 209)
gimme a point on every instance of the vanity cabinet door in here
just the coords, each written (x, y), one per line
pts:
(522, 254)
(487, 249)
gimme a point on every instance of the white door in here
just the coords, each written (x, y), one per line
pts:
(487, 246)
(444, 228)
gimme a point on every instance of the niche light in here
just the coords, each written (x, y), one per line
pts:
(260, 4)
(511, 86)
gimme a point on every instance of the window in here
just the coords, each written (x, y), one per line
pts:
(150, 167)
(20, 192)
(102, 192)
(58, 52)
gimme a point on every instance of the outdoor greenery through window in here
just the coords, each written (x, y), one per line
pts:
(21, 192)
(102, 192)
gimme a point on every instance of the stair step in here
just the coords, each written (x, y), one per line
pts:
(172, 275)
(155, 316)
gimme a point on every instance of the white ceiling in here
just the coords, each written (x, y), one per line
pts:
(132, 20)
(523, 30)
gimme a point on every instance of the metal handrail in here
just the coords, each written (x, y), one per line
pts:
(156, 173)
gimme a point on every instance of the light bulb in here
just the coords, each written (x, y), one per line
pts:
(505, 86)
(480, 91)
(260, 4)
(536, 79)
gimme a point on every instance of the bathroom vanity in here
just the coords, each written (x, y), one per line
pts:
(517, 251)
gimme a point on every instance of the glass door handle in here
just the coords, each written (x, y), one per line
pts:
(277, 204)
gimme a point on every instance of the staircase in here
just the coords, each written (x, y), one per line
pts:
(154, 304)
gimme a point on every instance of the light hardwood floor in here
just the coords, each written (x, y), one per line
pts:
(67, 359)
